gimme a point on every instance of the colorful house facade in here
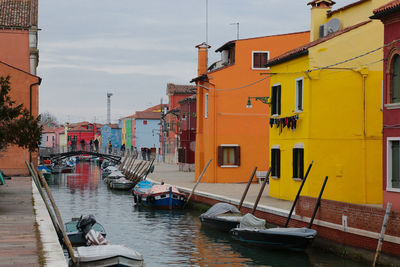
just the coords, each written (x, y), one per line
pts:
(326, 105)
(126, 125)
(389, 14)
(111, 133)
(187, 134)
(175, 93)
(82, 133)
(233, 136)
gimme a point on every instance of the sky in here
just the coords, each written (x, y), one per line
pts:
(133, 48)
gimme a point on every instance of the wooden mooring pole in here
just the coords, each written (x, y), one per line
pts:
(261, 191)
(247, 187)
(58, 215)
(198, 181)
(382, 235)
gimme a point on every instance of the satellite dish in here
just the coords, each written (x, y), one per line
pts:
(333, 25)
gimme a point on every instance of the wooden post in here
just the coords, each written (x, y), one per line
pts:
(298, 194)
(40, 189)
(60, 221)
(121, 167)
(129, 168)
(318, 203)
(382, 235)
(198, 181)
(261, 191)
(247, 187)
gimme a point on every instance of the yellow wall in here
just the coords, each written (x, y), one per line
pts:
(123, 140)
(344, 141)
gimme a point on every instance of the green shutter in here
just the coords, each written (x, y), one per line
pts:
(395, 164)
(396, 80)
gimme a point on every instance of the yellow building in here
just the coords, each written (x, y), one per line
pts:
(326, 100)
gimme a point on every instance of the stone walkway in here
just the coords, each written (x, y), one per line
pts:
(18, 241)
(169, 173)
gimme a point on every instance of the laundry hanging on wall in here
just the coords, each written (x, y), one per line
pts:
(290, 122)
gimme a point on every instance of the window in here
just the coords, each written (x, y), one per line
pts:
(275, 162)
(206, 106)
(393, 164)
(229, 155)
(69, 138)
(260, 58)
(52, 138)
(395, 90)
(298, 163)
(145, 122)
(47, 138)
(299, 95)
(276, 100)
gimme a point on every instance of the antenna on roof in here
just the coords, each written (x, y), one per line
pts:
(333, 25)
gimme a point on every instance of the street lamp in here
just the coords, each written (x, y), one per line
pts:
(263, 99)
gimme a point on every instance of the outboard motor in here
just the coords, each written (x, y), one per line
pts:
(86, 223)
(93, 237)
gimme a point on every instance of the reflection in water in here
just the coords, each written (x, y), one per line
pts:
(173, 238)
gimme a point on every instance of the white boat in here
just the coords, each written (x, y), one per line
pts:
(108, 255)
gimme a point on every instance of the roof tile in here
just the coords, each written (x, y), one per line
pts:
(18, 13)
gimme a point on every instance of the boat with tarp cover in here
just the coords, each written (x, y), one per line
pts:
(221, 216)
(252, 230)
(161, 196)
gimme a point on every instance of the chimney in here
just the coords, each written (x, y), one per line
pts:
(319, 9)
(202, 58)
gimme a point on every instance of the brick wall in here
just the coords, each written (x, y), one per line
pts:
(358, 216)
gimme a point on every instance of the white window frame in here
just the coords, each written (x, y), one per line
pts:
(206, 105)
(389, 164)
(297, 95)
(229, 166)
(252, 60)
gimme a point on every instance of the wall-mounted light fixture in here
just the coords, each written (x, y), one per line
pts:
(264, 99)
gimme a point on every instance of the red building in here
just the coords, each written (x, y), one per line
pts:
(85, 131)
(172, 126)
(187, 134)
(389, 14)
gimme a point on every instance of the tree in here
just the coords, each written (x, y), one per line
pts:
(17, 126)
(48, 118)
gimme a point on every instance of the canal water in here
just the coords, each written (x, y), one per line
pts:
(166, 238)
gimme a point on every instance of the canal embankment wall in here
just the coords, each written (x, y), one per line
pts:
(52, 251)
(356, 237)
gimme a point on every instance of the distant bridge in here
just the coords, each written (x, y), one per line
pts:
(60, 156)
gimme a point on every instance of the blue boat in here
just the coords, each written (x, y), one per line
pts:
(160, 196)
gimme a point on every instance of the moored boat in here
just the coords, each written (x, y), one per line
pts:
(108, 255)
(121, 184)
(221, 216)
(76, 236)
(252, 231)
(161, 196)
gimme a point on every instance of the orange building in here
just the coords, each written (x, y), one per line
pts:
(233, 136)
(19, 59)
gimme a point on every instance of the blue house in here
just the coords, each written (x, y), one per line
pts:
(147, 130)
(110, 132)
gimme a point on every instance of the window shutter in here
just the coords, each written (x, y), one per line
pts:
(278, 165)
(237, 155)
(279, 99)
(220, 156)
(273, 163)
(301, 163)
(294, 163)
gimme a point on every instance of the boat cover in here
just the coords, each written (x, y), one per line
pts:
(95, 253)
(218, 209)
(143, 186)
(301, 232)
(123, 180)
(249, 221)
(111, 168)
(116, 174)
(163, 188)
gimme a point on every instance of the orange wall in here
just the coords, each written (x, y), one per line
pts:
(12, 160)
(14, 47)
(229, 121)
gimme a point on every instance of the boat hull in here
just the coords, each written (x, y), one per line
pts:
(76, 237)
(269, 240)
(166, 202)
(221, 224)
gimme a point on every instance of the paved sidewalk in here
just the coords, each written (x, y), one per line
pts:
(170, 173)
(18, 242)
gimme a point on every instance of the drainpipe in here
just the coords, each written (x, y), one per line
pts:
(30, 105)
